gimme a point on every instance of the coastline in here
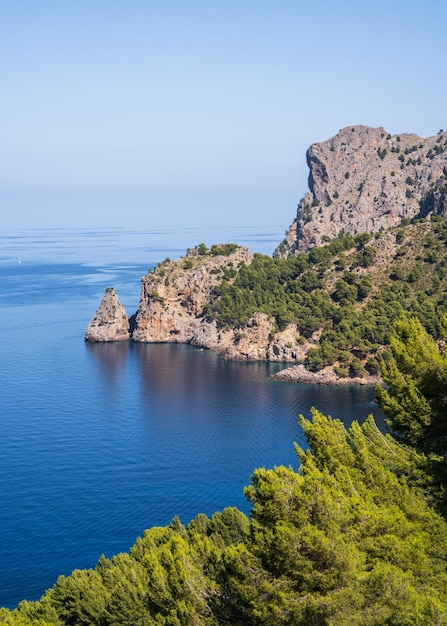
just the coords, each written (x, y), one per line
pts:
(326, 376)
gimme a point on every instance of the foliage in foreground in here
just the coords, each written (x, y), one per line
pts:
(415, 396)
(347, 539)
(415, 399)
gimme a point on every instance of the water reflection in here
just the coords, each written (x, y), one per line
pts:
(109, 375)
(181, 386)
(187, 381)
(111, 360)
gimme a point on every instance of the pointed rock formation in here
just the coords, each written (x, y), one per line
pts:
(110, 322)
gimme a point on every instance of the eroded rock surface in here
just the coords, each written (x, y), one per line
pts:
(110, 321)
(173, 297)
(364, 179)
(173, 303)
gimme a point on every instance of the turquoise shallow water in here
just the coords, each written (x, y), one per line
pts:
(99, 442)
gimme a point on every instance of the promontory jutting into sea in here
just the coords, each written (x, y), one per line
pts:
(210, 438)
(360, 236)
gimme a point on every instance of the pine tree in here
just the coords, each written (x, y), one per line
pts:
(415, 398)
(346, 540)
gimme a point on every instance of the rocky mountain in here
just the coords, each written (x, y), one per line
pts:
(363, 180)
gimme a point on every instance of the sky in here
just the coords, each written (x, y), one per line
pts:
(151, 114)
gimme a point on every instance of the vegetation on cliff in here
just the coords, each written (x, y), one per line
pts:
(347, 294)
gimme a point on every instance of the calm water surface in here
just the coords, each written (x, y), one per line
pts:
(99, 442)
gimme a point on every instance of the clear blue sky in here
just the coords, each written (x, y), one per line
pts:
(144, 113)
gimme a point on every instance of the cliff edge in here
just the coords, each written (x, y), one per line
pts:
(363, 180)
(173, 308)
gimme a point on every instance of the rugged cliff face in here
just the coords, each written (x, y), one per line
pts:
(363, 180)
(174, 295)
(172, 309)
(110, 321)
(173, 303)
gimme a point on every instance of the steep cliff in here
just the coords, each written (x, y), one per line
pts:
(174, 295)
(364, 180)
(173, 305)
(110, 321)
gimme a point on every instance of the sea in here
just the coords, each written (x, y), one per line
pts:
(100, 441)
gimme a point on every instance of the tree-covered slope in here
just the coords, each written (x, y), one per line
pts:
(345, 296)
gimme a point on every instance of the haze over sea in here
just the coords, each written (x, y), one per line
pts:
(100, 441)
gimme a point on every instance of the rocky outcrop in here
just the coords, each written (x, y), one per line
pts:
(173, 297)
(363, 180)
(172, 308)
(326, 376)
(173, 304)
(110, 322)
(249, 342)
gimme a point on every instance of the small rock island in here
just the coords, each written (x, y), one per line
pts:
(110, 321)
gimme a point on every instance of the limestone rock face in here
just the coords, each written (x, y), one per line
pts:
(173, 303)
(110, 321)
(363, 179)
(251, 341)
(173, 297)
(172, 308)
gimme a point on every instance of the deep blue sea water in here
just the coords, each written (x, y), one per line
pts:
(100, 441)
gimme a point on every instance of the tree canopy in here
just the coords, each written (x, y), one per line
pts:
(415, 399)
(349, 537)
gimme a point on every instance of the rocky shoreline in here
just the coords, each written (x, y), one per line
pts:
(171, 310)
(110, 324)
(326, 376)
(173, 298)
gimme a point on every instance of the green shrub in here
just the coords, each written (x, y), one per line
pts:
(356, 369)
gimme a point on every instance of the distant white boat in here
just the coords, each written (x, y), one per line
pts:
(19, 260)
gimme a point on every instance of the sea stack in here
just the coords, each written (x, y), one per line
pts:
(110, 322)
